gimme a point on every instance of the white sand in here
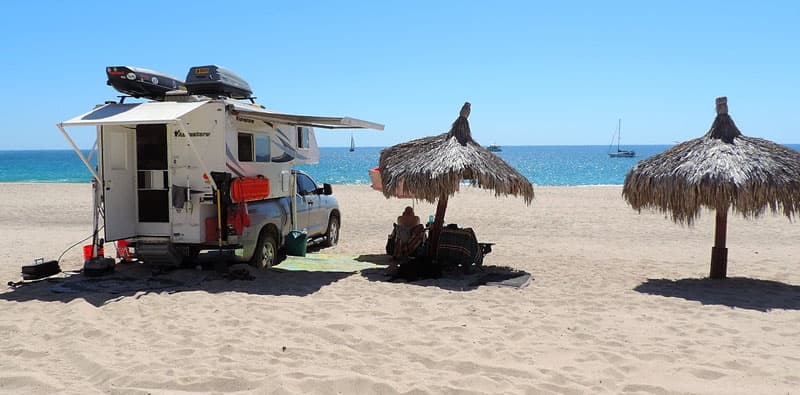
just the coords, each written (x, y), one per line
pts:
(580, 327)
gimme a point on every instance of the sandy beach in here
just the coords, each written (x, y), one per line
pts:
(618, 304)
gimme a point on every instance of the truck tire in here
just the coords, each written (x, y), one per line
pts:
(332, 235)
(189, 257)
(265, 255)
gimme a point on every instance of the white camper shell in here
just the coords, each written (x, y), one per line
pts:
(159, 164)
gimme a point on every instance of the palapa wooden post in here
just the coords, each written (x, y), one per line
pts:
(722, 105)
(436, 228)
(461, 132)
(719, 254)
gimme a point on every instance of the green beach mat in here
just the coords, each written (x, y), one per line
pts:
(318, 262)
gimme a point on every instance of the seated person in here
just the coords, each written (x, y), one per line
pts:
(408, 219)
(408, 235)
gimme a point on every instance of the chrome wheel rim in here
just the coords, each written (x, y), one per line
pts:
(334, 236)
(267, 255)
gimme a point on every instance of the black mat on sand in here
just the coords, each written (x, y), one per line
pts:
(114, 285)
(515, 280)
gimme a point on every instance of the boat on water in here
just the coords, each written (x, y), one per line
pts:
(494, 148)
(352, 143)
(619, 153)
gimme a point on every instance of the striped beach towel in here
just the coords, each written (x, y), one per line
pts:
(408, 240)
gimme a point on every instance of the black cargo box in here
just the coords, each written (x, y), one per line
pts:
(139, 82)
(214, 80)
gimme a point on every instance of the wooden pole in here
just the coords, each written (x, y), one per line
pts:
(436, 228)
(719, 254)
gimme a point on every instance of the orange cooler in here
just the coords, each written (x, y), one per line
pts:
(248, 189)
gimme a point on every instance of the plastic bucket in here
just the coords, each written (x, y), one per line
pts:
(122, 250)
(87, 252)
(296, 243)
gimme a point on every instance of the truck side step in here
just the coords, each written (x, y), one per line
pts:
(159, 253)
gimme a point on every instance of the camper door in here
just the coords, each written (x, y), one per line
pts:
(152, 180)
(117, 170)
(135, 180)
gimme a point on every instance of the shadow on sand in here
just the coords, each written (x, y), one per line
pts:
(736, 292)
(137, 279)
(451, 280)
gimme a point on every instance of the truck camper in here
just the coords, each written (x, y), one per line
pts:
(202, 167)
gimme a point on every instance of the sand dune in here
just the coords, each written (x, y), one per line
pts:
(618, 304)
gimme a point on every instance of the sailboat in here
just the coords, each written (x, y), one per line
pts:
(352, 143)
(620, 153)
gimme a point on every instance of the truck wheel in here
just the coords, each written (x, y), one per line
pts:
(266, 251)
(332, 235)
(189, 256)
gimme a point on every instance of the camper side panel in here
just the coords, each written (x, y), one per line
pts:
(192, 193)
(256, 148)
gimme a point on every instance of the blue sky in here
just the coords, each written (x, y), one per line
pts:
(536, 73)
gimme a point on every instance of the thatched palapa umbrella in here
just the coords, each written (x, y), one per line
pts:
(720, 170)
(431, 168)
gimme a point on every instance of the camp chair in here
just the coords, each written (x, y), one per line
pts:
(405, 241)
(459, 246)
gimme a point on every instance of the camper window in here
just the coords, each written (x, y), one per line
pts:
(245, 147)
(302, 137)
(262, 148)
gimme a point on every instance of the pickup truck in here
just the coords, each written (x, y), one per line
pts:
(257, 231)
(263, 242)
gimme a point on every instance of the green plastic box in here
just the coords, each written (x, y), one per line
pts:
(296, 243)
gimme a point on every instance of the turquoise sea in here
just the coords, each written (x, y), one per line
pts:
(542, 165)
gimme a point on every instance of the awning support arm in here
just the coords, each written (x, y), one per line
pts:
(78, 151)
(93, 150)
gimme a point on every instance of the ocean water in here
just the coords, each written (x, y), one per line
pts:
(542, 165)
(43, 166)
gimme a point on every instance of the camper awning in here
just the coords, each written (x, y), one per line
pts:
(251, 111)
(134, 113)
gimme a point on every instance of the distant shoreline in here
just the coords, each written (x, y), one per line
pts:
(347, 184)
(796, 145)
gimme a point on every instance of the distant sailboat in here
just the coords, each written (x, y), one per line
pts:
(620, 153)
(352, 143)
(494, 148)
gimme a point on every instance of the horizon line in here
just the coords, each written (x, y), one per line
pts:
(385, 146)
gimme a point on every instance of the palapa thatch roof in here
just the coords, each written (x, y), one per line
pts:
(719, 170)
(432, 167)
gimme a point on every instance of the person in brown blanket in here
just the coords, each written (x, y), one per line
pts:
(409, 234)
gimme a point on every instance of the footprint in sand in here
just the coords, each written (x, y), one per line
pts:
(706, 374)
(92, 333)
(644, 388)
(183, 351)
